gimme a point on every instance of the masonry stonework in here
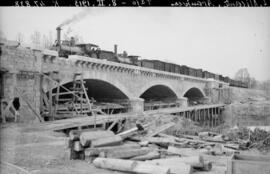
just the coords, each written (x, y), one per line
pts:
(26, 66)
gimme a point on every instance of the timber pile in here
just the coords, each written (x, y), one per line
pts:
(148, 150)
(153, 153)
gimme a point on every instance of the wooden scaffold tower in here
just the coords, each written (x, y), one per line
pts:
(63, 102)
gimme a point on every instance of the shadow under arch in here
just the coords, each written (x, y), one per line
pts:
(194, 95)
(159, 93)
(101, 91)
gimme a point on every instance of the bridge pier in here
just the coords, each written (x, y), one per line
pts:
(136, 105)
(183, 102)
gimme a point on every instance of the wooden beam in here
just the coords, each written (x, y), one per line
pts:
(6, 110)
(2, 111)
(130, 166)
(161, 129)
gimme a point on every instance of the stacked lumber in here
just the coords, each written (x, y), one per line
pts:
(149, 154)
(152, 153)
(80, 140)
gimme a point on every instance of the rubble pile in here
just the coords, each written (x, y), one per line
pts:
(256, 138)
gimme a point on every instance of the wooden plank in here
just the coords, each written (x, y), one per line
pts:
(161, 129)
(63, 93)
(107, 141)
(2, 111)
(7, 108)
(186, 151)
(51, 113)
(130, 166)
(87, 137)
(127, 153)
(148, 156)
(179, 168)
(109, 149)
(195, 161)
(112, 125)
(131, 131)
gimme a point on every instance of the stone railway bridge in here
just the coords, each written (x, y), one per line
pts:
(22, 69)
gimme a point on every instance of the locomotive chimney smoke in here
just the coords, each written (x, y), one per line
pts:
(115, 49)
(76, 17)
(58, 43)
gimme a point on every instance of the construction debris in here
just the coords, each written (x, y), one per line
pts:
(139, 150)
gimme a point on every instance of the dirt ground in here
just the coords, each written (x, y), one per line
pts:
(41, 152)
(46, 152)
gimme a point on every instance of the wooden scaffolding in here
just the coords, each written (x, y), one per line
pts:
(65, 102)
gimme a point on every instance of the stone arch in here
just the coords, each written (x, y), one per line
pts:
(157, 91)
(156, 83)
(99, 76)
(98, 88)
(194, 94)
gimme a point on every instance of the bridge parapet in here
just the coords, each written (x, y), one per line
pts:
(88, 62)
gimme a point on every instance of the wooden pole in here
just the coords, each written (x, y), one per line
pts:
(208, 115)
(41, 108)
(212, 117)
(107, 141)
(127, 153)
(130, 166)
(2, 112)
(87, 137)
(195, 161)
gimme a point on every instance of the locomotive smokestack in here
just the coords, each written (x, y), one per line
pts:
(115, 49)
(58, 43)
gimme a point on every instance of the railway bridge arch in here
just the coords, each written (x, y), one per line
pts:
(104, 79)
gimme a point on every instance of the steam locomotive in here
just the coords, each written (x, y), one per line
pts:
(69, 47)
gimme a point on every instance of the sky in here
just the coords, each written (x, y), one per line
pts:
(219, 40)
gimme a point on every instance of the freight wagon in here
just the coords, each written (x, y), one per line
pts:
(69, 47)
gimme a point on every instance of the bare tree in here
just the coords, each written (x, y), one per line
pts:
(36, 38)
(51, 39)
(20, 37)
(242, 75)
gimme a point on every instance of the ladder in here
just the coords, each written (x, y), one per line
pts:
(82, 103)
(71, 101)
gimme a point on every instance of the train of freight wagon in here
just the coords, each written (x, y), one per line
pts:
(70, 47)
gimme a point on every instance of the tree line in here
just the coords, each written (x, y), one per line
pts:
(244, 76)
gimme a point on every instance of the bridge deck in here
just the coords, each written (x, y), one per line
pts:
(178, 110)
(101, 119)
